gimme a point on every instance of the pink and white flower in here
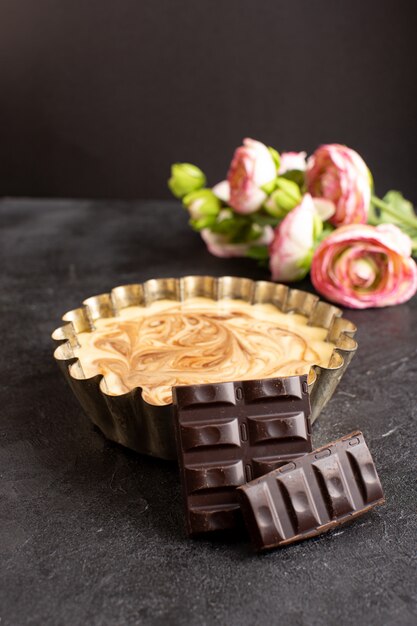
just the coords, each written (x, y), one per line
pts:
(362, 266)
(290, 161)
(222, 191)
(252, 167)
(293, 242)
(219, 245)
(338, 174)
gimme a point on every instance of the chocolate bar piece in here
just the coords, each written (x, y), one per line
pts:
(230, 433)
(312, 494)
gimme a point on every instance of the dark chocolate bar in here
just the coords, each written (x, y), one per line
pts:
(230, 433)
(312, 494)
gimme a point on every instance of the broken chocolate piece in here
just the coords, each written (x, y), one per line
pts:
(312, 494)
(230, 433)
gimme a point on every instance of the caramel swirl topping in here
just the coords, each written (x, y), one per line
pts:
(198, 341)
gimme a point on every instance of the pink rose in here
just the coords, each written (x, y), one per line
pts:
(219, 245)
(291, 250)
(290, 161)
(252, 167)
(339, 174)
(362, 266)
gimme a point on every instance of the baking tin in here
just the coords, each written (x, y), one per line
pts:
(148, 429)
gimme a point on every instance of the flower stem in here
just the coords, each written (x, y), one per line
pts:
(380, 204)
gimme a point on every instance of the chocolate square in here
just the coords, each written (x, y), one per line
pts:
(230, 433)
(312, 494)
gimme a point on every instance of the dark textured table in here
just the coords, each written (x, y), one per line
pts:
(92, 533)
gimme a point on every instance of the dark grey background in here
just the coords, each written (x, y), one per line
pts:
(98, 97)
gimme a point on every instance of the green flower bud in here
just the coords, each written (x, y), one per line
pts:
(285, 198)
(275, 155)
(268, 188)
(203, 222)
(185, 178)
(202, 203)
(317, 228)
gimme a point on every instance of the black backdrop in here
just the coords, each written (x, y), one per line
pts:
(98, 97)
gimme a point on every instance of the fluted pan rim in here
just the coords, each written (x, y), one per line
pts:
(322, 380)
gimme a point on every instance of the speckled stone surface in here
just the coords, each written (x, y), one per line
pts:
(93, 534)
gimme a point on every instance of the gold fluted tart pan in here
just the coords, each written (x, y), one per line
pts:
(127, 417)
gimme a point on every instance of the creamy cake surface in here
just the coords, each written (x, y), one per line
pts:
(199, 340)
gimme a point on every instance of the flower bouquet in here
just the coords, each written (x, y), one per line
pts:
(300, 215)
